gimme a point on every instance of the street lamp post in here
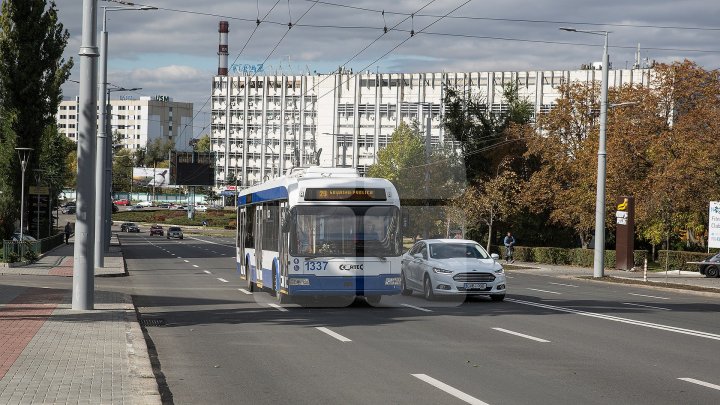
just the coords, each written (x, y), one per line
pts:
(599, 254)
(23, 154)
(103, 209)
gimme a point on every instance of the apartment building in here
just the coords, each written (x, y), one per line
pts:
(138, 120)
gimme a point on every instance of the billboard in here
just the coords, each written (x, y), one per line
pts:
(714, 225)
(192, 168)
(150, 177)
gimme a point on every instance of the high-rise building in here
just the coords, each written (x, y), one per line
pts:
(137, 120)
(265, 124)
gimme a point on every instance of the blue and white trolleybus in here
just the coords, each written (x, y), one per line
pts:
(320, 231)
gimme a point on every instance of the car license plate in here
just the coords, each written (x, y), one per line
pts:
(475, 286)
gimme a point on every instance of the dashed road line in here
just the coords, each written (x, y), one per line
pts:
(418, 308)
(649, 296)
(186, 261)
(333, 334)
(195, 265)
(206, 272)
(699, 382)
(545, 291)
(450, 390)
(223, 280)
(278, 307)
(565, 285)
(244, 291)
(646, 306)
(522, 335)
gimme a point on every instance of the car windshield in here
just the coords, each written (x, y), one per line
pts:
(457, 250)
(131, 224)
(174, 229)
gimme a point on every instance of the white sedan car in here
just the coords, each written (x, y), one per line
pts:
(452, 267)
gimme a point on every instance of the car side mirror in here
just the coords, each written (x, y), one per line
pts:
(418, 255)
(495, 256)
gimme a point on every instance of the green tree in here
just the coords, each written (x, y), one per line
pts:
(203, 144)
(157, 150)
(32, 70)
(122, 170)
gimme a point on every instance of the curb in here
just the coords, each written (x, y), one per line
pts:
(144, 386)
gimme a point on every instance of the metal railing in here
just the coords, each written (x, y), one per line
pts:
(19, 249)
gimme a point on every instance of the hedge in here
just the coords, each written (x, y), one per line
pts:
(574, 257)
(678, 260)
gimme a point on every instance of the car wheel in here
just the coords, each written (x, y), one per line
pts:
(403, 286)
(712, 271)
(181, 237)
(497, 297)
(427, 289)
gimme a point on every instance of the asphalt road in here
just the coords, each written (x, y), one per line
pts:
(553, 341)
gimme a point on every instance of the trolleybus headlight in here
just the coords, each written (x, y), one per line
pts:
(392, 281)
(298, 281)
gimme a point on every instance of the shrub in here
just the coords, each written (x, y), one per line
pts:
(31, 256)
(678, 260)
(13, 257)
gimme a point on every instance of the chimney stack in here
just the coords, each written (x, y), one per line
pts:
(223, 48)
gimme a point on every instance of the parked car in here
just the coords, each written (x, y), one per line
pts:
(129, 227)
(201, 208)
(145, 203)
(156, 230)
(164, 205)
(174, 232)
(181, 207)
(26, 237)
(70, 209)
(452, 267)
(710, 267)
(137, 207)
(123, 201)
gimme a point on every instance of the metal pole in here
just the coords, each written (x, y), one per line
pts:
(599, 264)
(23, 165)
(428, 127)
(100, 197)
(83, 269)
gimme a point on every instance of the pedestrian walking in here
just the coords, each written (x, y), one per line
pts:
(68, 231)
(509, 243)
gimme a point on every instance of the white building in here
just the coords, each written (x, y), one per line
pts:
(259, 121)
(138, 120)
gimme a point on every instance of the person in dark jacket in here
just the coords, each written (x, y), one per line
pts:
(509, 243)
(68, 231)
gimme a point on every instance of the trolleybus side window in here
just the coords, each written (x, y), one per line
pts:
(249, 221)
(271, 216)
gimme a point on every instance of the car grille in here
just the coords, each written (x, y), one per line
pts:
(474, 277)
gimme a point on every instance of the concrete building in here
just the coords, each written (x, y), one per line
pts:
(264, 124)
(138, 120)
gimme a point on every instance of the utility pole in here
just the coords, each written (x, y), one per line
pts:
(83, 270)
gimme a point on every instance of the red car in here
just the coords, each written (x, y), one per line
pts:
(122, 202)
(156, 230)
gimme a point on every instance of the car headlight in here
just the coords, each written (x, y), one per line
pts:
(438, 270)
(499, 271)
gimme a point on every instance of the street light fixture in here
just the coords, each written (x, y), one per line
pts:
(23, 154)
(103, 210)
(599, 254)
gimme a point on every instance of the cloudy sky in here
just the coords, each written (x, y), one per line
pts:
(173, 50)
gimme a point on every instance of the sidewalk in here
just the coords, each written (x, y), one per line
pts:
(51, 354)
(683, 278)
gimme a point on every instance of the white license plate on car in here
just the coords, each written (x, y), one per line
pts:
(475, 286)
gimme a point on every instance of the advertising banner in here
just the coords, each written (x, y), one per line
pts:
(149, 177)
(714, 226)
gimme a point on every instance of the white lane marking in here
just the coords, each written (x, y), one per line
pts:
(667, 328)
(278, 307)
(223, 280)
(333, 334)
(450, 390)
(522, 335)
(206, 272)
(414, 307)
(179, 257)
(214, 243)
(509, 276)
(649, 296)
(565, 285)
(646, 306)
(186, 261)
(703, 383)
(545, 291)
(244, 291)
(195, 265)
